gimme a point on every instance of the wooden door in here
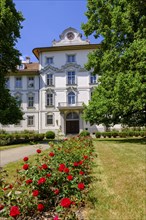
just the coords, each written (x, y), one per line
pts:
(72, 127)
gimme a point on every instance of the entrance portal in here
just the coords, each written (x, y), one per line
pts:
(72, 123)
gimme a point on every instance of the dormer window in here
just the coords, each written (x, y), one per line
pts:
(49, 60)
(71, 58)
(21, 67)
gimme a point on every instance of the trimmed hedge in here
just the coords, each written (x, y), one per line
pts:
(122, 134)
(19, 138)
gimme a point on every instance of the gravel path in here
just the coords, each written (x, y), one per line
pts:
(14, 154)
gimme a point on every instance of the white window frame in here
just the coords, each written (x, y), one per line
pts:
(71, 98)
(93, 79)
(52, 119)
(29, 82)
(47, 79)
(29, 96)
(71, 81)
(70, 58)
(49, 60)
(30, 118)
(50, 100)
(18, 84)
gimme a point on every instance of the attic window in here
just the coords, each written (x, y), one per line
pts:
(49, 60)
(21, 67)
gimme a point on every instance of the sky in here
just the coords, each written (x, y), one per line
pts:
(45, 20)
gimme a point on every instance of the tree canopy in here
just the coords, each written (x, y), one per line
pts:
(10, 25)
(120, 62)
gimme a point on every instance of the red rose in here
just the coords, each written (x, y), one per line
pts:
(81, 186)
(29, 181)
(35, 193)
(85, 157)
(40, 207)
(51, 154)
(38, 151)
(56, 191)
(48, 174)
(66, 170)
(56, 217)
(41, 180)
(44, 166)
(80, 162)
(61, 167)
(76, 164)
(1, 207)
(10, 186)
(81, 173)
(25, 166)
(70, 177)
(25, 158)
(65, 202)
(14, 211)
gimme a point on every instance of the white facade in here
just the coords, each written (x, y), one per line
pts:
(52, 96)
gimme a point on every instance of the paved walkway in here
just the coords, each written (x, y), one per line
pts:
(14, 154)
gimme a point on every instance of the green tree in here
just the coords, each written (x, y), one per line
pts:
(10, 25)
(120, 62)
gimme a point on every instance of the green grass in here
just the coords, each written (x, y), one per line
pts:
(118, 190)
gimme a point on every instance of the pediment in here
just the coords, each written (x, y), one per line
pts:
(73, 66)
(50, 68)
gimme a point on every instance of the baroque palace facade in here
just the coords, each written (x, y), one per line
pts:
(51, 92)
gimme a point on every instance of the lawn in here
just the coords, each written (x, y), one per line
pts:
(119, 188)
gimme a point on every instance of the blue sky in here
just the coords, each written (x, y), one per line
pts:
(46, 19)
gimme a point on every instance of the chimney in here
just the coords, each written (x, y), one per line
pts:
(27, 59)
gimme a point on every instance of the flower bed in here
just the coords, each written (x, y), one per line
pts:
(55, 185)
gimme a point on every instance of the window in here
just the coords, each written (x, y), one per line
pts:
(49, 79)
(30, 82)
(71, 98)
(49, 60)
(49, 99)
(49, 119)
(18, 82)
(30, 100)
(71, 78)
(30, 120)
(7, 84)
(70, 58)
(72, 115)
(18, 98)
(93, 78)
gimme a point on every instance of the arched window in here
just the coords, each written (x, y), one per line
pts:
(71, 98)
(72, 115)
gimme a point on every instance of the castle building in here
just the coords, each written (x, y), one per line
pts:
(51, 92)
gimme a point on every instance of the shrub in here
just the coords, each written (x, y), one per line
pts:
(84, 133)
(50, 135)
(98, 134)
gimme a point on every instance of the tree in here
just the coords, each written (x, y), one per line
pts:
(10, 25)
(120, 62)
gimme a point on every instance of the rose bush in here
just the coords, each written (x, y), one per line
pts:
(57, 181)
